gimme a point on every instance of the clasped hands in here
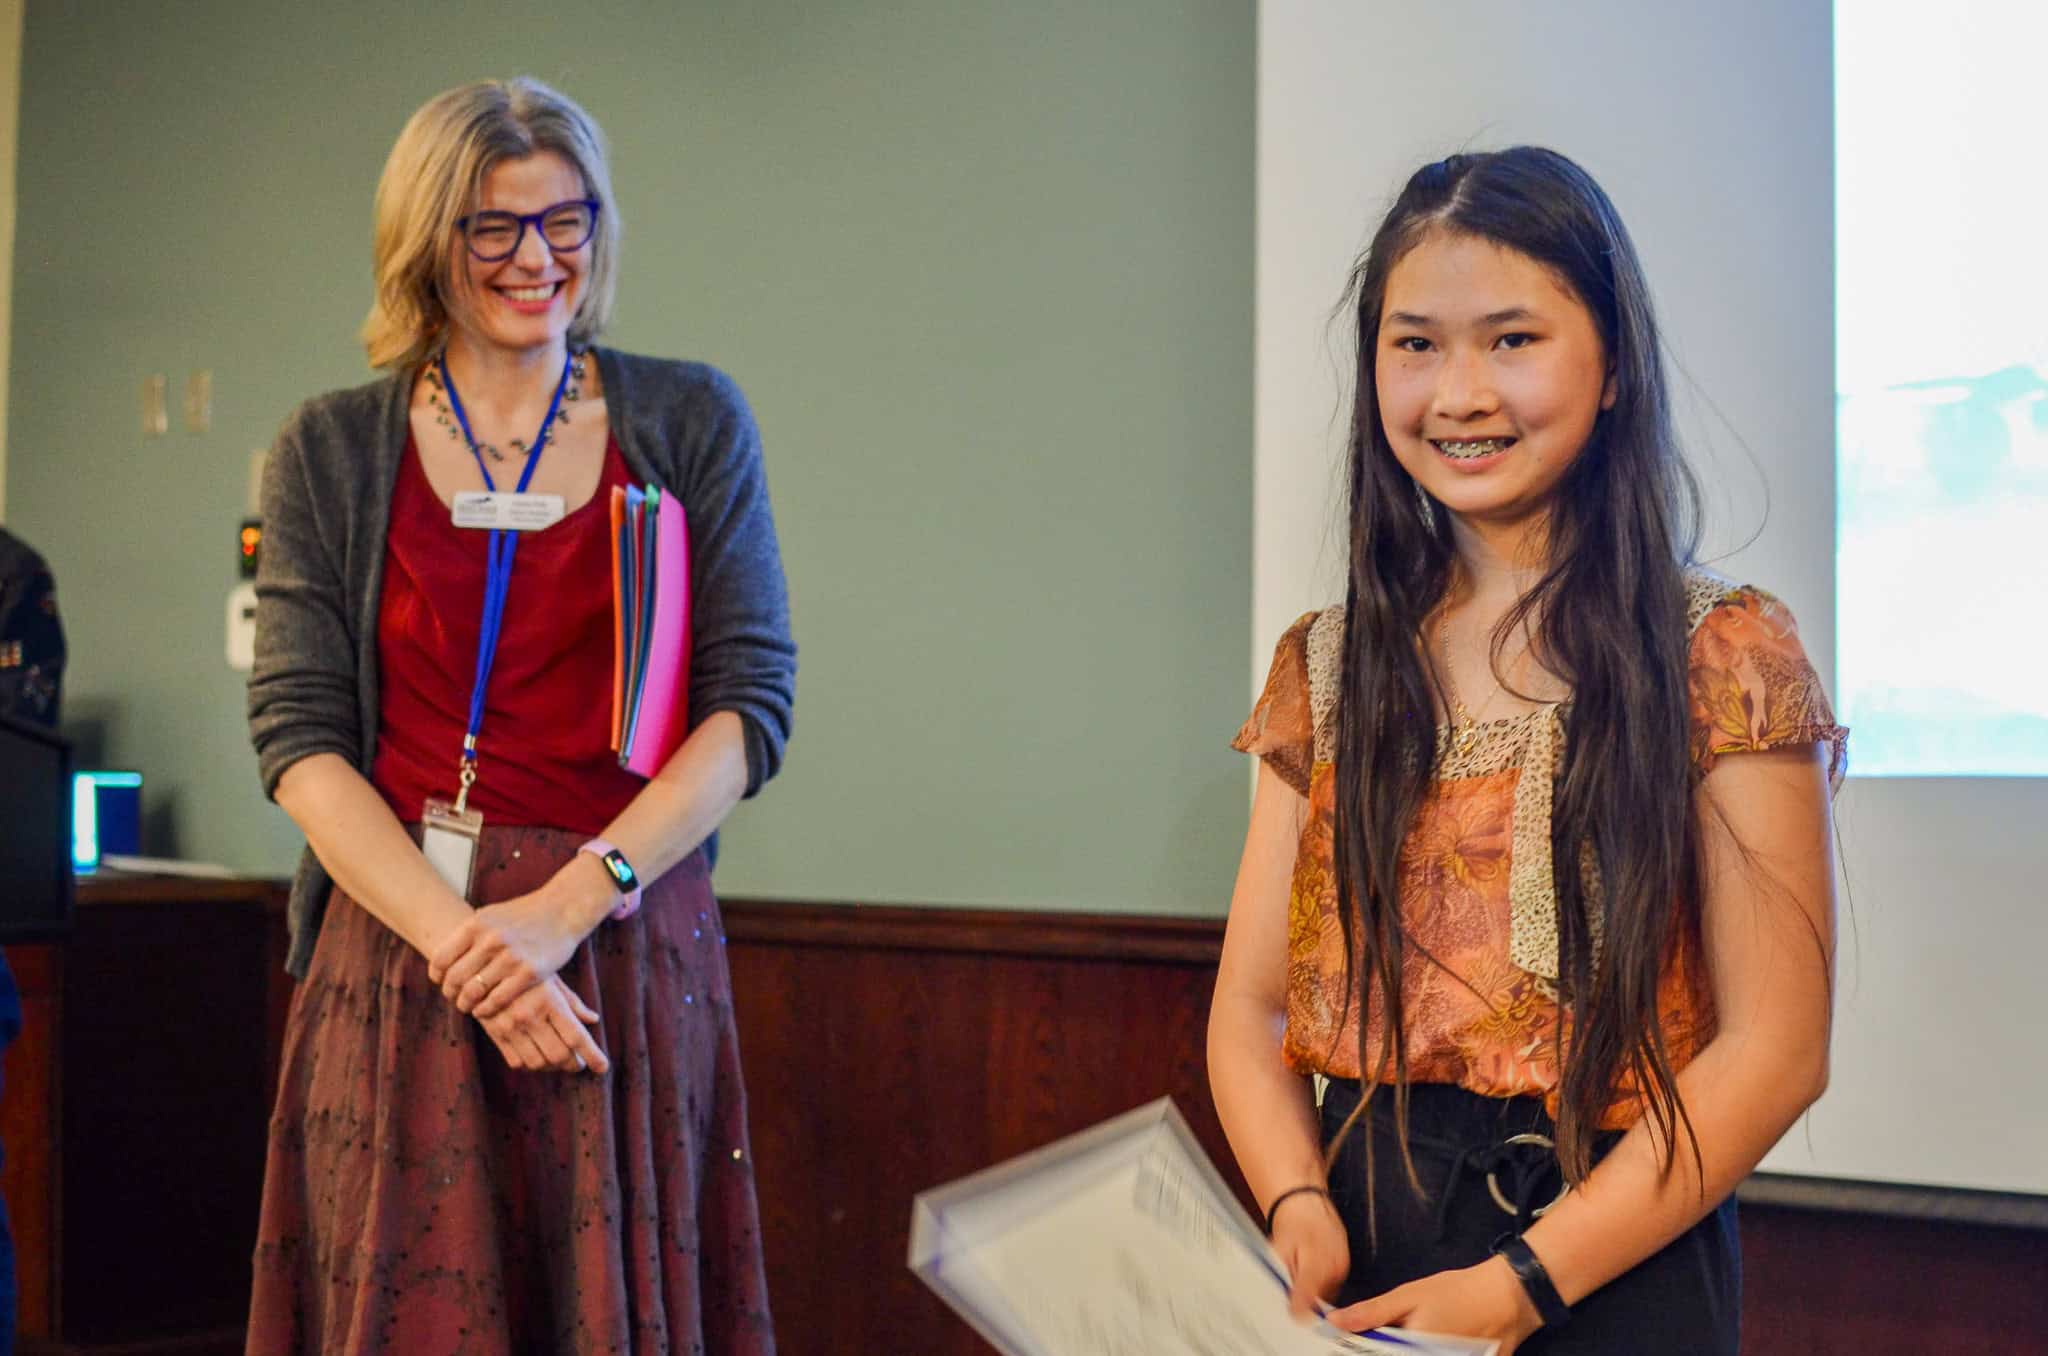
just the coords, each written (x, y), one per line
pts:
(502, 966)
(1477, 1301)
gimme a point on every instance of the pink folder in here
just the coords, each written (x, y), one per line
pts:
(620, 627)
(661, 717)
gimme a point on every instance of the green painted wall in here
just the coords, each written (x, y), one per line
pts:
(984, 270)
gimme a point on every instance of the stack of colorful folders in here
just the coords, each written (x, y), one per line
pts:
(651, 627)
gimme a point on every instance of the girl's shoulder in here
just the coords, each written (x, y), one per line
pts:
(1320, 634)
(1707, 591)
(1734, 628)
(1323, 656)
(1732, 625)
(1752, 686)
(1280, 728)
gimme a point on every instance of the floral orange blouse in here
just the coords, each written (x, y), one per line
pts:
(1476, 884)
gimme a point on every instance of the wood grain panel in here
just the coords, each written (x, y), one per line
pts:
(888, 1050)
(135, 1114)
(30, 1084)
(978, 932)
(164, 1120)
(891, 1050)
(1827, 1284)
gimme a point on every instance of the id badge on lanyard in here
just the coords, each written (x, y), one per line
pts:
(451, 831)
(448, 837)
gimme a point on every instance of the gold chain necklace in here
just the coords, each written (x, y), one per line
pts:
(445, 417)
(1464, 726)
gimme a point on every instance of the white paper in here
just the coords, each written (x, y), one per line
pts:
(514, 512)
(1122, 1241)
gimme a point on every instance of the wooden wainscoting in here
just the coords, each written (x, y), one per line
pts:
(1832, 1283)
(137, 1102)
(889, 1049)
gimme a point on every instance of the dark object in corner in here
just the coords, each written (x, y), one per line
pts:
(35, 833)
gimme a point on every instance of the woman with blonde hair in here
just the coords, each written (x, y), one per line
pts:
(510, 1114)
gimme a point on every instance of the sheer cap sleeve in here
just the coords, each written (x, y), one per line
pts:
(1281, 728)
(1753, 687)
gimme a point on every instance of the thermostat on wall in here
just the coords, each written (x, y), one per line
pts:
(242, 627)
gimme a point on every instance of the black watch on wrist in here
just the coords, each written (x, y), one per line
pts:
(1528, 1269)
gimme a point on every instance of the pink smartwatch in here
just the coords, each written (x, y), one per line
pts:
(621, 871)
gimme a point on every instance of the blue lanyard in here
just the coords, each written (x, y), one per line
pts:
(498, 574)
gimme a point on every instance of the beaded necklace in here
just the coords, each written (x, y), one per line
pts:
(445, 417)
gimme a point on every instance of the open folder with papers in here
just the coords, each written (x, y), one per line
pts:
(1123, 1238)
(650, 627)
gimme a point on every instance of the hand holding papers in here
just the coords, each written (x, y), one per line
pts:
(1122, 1240)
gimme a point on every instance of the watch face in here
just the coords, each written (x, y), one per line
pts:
(622, 873)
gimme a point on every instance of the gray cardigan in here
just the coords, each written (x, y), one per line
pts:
(327, 490)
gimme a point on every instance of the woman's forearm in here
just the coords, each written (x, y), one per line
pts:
(1768, 927)
(680, 807)
(687, 800)
(1741, 1094)
(1267, 1110)
(367, 852)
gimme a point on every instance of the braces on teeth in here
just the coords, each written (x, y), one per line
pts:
(1468, 451)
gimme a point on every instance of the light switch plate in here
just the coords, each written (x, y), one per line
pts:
(156, 419)
(242, 627)
(199, 401)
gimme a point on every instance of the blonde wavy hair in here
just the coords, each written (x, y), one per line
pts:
(433, 178)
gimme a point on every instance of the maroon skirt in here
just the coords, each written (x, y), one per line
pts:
(422, 1196)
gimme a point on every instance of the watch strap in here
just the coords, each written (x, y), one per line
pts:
(624, 878)
(1529, 1270)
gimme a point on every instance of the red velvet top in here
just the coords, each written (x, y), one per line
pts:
(544, 754)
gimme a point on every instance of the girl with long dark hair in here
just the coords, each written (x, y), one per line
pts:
(1538, 874)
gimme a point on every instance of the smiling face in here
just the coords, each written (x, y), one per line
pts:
(1490, 375)
(525, 302)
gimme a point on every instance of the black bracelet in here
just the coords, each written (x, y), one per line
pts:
(1528, 1268)
(1309, 1189)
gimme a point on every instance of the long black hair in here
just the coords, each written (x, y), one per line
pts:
(1608, 615)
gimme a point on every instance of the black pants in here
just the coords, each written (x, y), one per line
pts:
(1685, 1299)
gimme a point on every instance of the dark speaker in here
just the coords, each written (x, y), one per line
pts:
(35, 833)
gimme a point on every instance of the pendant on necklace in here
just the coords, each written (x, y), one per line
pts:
(1465, 738)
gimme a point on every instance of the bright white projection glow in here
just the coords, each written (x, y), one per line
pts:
(1942, 388)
